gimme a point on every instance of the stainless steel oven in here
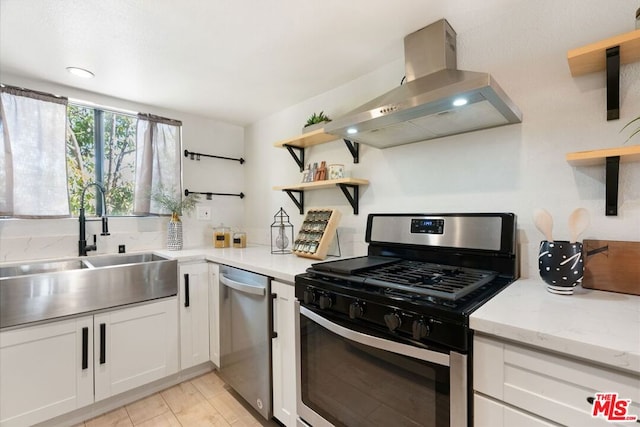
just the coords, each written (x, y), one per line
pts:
(356, 378)
(384, 339)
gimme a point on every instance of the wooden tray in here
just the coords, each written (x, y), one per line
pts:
(612, 266)
(317, 232)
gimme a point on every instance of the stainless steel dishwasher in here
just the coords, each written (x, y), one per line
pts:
(246, 326)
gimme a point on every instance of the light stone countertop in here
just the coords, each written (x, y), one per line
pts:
(599, 326)
(259, 259)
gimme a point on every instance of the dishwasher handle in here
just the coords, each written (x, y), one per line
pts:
(242, 287)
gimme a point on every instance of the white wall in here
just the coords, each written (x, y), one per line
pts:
(515, 168)
(32, 239)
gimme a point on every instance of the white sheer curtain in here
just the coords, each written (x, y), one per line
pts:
(157, 161)
(33, 173)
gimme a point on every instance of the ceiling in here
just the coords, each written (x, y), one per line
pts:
(233, 60)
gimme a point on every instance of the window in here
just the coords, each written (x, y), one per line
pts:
(130, 155)
(101, 147)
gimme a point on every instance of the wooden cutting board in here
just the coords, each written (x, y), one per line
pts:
(612, 266)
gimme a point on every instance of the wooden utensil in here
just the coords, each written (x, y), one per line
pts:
(544, 222)
(578, 222)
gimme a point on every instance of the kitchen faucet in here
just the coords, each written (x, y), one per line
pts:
(83, 248)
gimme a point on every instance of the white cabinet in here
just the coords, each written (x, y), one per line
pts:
(43, 373)
(135, 346)
(283, 354)
(214, 314)
(510, 379)
(51, 369)
(194, 314)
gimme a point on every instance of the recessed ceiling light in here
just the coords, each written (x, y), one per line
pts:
(352, 131)
(81, 72)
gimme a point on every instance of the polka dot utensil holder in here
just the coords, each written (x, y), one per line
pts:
(561, 265)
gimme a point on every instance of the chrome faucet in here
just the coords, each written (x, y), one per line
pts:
(83, 248)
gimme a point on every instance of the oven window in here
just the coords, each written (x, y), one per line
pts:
(350, 384)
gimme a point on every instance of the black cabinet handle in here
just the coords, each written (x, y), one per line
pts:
(85, 348)
(103, 343)
(274, 334)
(186, 290)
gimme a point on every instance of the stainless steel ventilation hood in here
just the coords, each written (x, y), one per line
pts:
(437, 100)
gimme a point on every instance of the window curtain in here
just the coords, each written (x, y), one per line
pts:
(33, 172)
(157, 162)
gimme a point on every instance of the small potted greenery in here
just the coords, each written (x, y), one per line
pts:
(173, 202)
(315, 121)
(634, 132)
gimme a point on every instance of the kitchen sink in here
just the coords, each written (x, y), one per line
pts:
(41, 267)
(40, 291)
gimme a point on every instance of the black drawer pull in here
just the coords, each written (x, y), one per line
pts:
(186, 290)
(103, 343)
(85, 348)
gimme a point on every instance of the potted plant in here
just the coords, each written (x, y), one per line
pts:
(315, 121)
(173, 202)
(635, 131)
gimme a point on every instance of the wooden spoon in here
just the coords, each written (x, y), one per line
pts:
(578, 222)
(544, 223)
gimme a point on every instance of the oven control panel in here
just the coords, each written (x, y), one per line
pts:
(386, 319)
(427, 226)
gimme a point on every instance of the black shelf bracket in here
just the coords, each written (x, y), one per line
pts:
(196, 156)
(298, 157)
(354, 149)
(353, 200)
(209, 195)
(613, 83)
(299, 201)
(612, 169)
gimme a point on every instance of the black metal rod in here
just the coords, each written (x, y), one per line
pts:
(103, 343)
(298, 157)
(210, 194)
(85, 348)
(196, 156)
(354, 149)
(186, 290)
(299, 202)
(612, 169)
(613, 83)
(353, 200)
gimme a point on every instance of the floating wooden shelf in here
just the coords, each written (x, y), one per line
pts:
(598, 157)
(296, 145)
(591, 58)
(611, 158)
(345, 184)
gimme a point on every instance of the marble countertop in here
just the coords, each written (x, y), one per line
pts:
(603, 327)
(259, 259)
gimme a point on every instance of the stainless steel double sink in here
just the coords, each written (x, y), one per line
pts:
(37, 291)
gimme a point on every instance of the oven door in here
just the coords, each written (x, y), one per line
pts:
(351, 378)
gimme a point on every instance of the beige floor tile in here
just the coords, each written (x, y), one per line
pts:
(117, 418)
(147, 408)
(201, 415)
(165, 420)
(209, 384)
(230, 408)
(182, 396)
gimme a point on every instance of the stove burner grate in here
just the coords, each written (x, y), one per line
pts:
(437, 280)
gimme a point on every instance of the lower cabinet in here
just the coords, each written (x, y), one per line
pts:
(214, 314)
(51, 369)
(194, 313)
(283, 354)
(520, 385)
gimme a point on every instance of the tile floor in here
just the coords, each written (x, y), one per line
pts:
(202, 401)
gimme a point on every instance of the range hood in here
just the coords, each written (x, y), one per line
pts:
(437, 99)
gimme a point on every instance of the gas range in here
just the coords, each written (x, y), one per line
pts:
(423, 276)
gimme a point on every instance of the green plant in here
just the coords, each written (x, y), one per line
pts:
(635, 131)
(317, 118)
(171, 201)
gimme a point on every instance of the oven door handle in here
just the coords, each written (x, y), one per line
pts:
(379, 343)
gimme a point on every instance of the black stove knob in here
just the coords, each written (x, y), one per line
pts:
(393, 321)
(355, 310)
(420, 329)
(324, 302)
(309, 296)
